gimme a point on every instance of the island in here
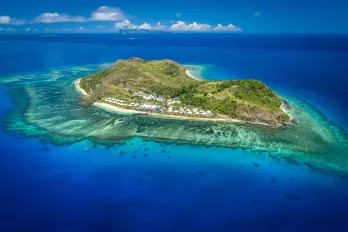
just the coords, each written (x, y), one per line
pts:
(164, 88)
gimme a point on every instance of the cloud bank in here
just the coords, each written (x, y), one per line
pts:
(57, 18)
(103, 13)
(106, 13)
(182, 26)
(179, 26)
(5, 19)
(8, 20)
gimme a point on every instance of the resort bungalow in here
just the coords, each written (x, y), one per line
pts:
(150, 107)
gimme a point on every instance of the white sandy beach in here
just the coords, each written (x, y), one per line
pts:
(188, 72)
(119, 110)
(78, 88)
(112, 108)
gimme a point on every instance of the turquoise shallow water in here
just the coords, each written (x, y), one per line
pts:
(149, 186)
(65, 167)
(111, 165)
(48, 106)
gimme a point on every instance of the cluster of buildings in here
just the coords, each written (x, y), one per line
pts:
(157, 108)
(148, 96)
(171, 102)
(121, 102)
(150, 107)
(189, 111)
(147, 107)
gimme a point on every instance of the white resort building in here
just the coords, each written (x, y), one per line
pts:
(148, 96)
(182, 110)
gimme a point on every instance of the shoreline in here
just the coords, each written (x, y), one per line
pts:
(115, 109)
(112, 108)
(78, 87)
(188, 73)
(284, 109)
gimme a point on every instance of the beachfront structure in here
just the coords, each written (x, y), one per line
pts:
(148, 96)
(182, 110)
(139, 106)
(189, 111)
(150, 107)
(171, 102)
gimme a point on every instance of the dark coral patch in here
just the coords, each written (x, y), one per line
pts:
(256, 164)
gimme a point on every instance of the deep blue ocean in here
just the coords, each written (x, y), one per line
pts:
(46, 187)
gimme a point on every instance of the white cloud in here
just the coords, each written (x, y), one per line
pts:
(124, 25)
(105, 13)
(5, 19)
(57, 18)
(47, 29)
(145, 26)
(81, 29)
(229, 27)
(28, 29)
(1, 29)
(179, 26)
(182, 26)
(256, 14)
(127, 25)
(8, 20)
(160, 27)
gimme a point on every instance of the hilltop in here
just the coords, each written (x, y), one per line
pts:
(163, 87)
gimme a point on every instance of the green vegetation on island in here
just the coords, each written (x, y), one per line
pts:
(164, 86)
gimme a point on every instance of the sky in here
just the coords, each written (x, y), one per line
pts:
(213, 16)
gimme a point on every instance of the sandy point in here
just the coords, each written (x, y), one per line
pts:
(78, 88)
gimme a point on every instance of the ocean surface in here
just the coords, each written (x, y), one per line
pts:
(65, 167)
